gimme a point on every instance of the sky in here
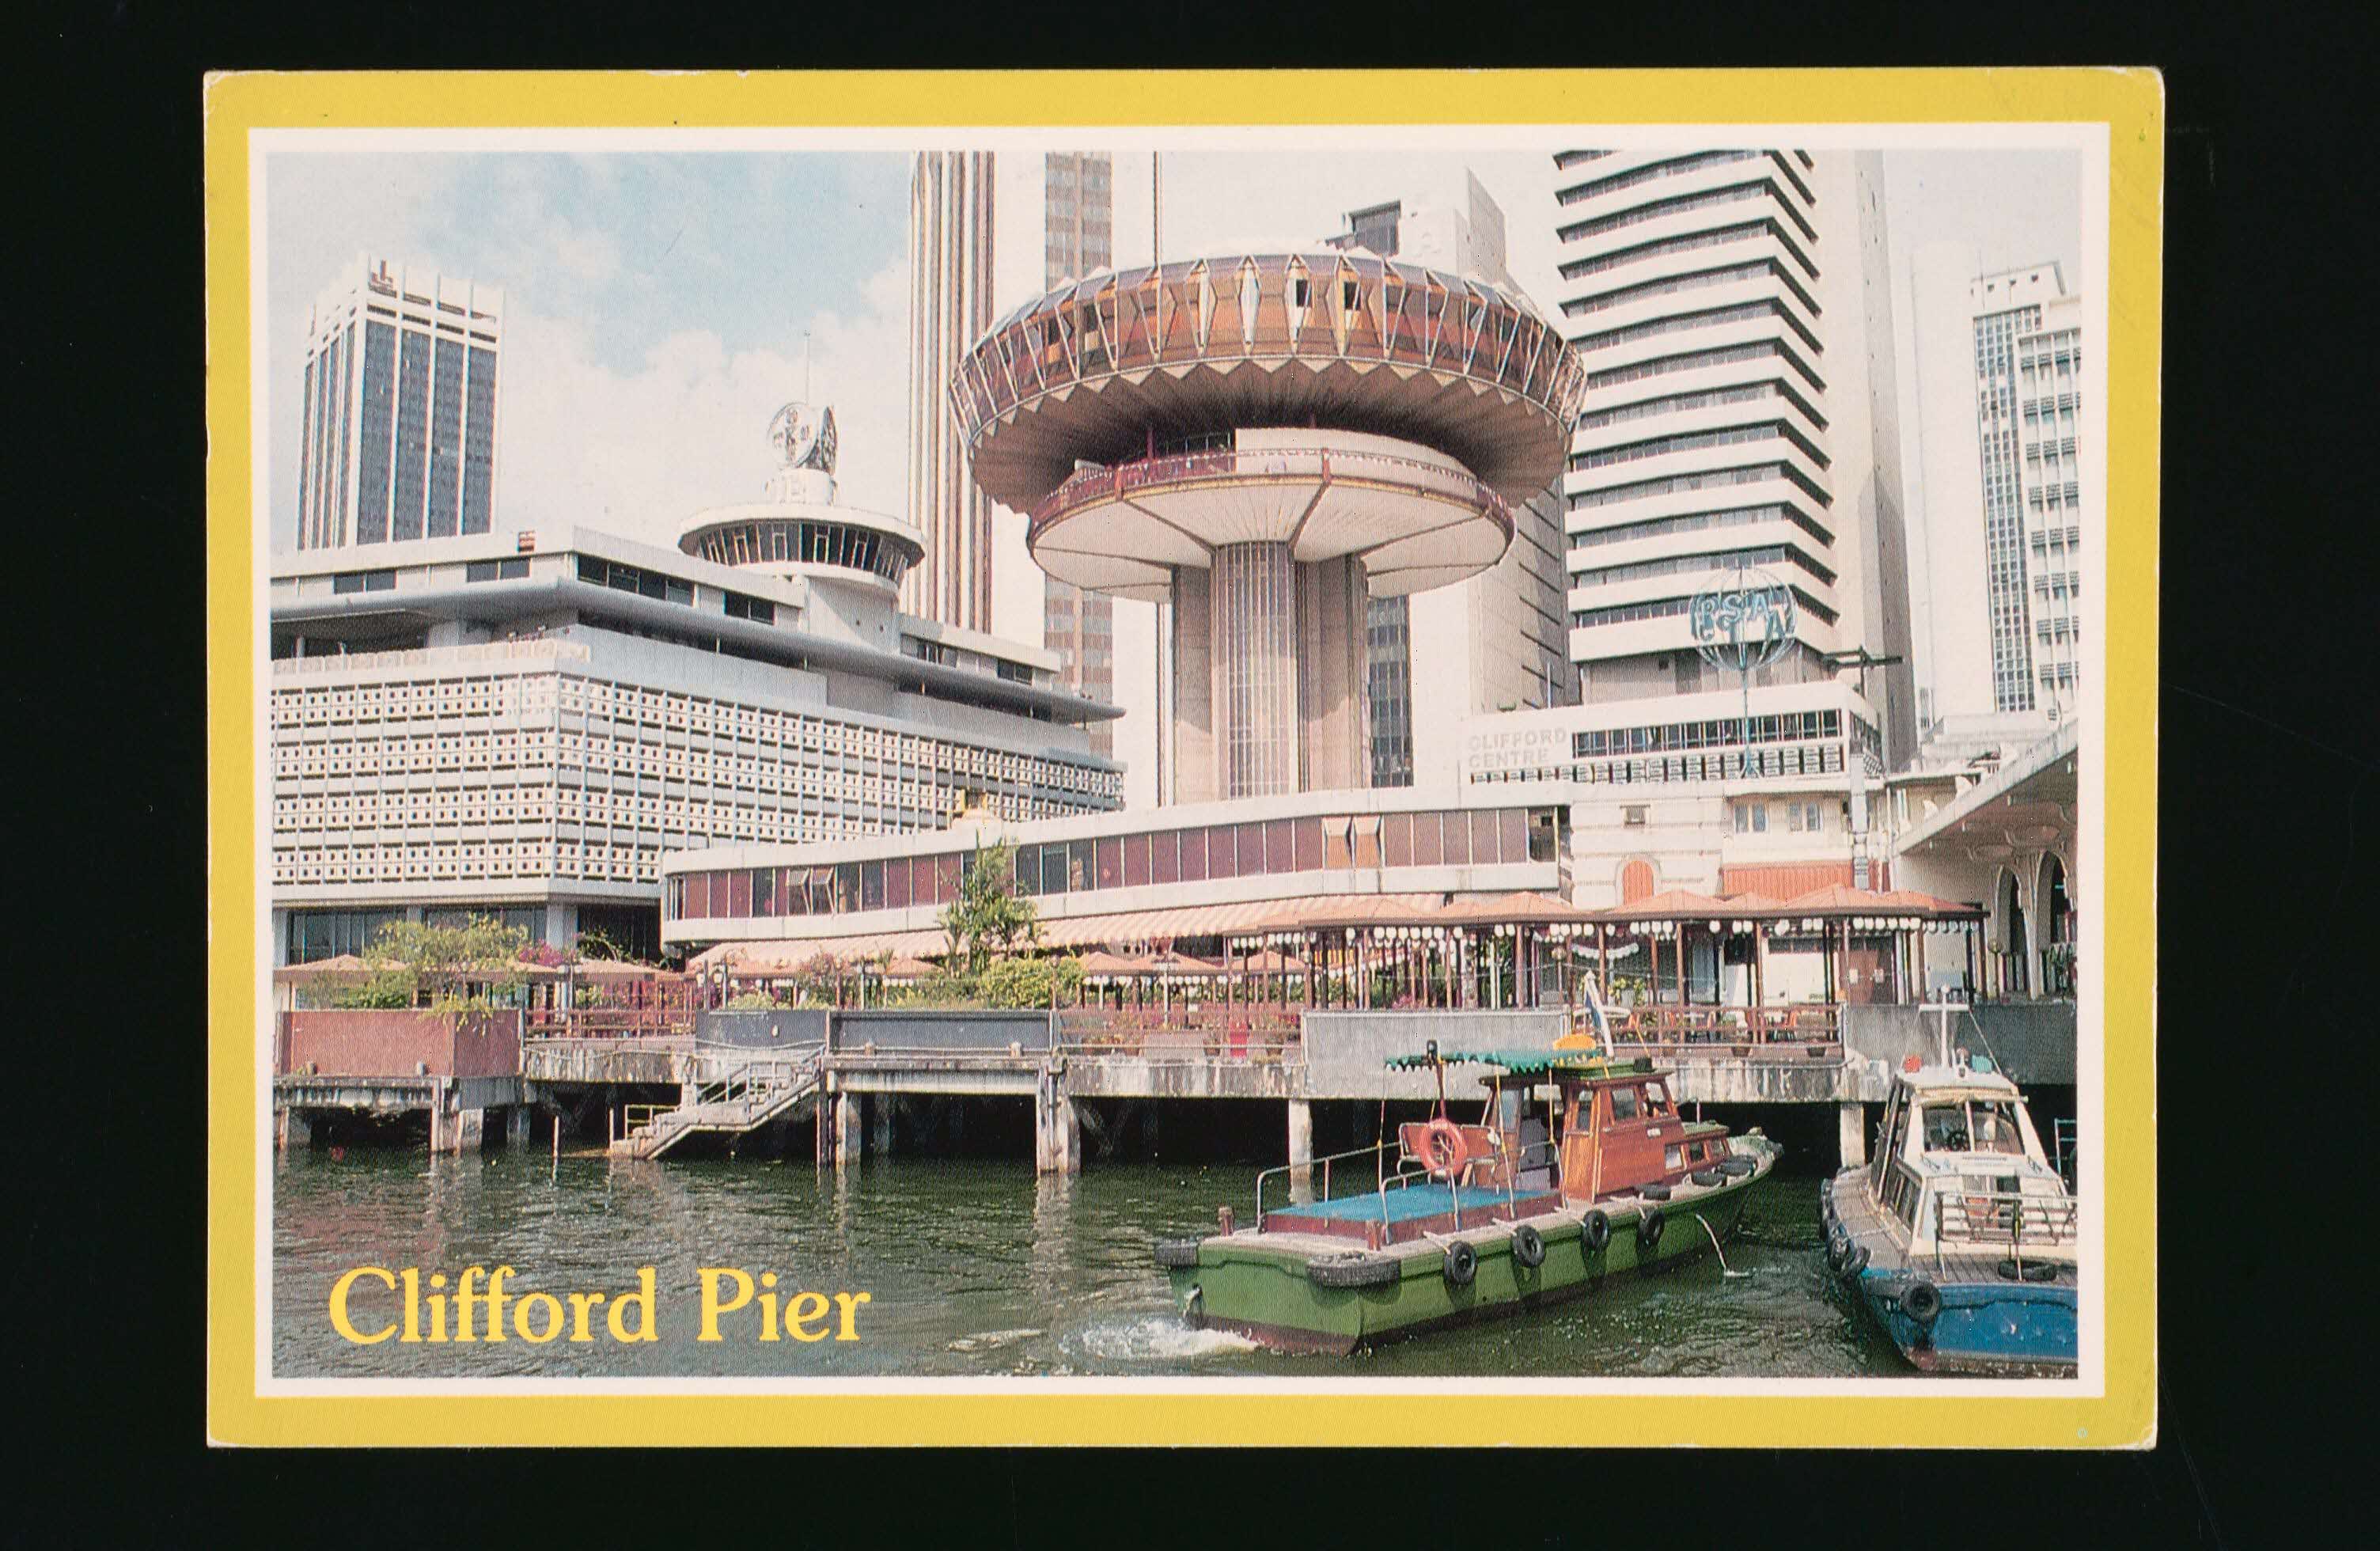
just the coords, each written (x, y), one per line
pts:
(659, 307)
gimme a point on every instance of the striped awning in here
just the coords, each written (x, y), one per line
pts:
(1247, 918)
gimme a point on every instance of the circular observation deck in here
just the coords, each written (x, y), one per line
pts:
(809, 538)
(1416, 518)
(1346, 342)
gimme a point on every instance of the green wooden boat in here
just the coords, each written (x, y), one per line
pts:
(1581, 1169)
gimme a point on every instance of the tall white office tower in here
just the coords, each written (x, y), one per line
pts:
(397, 439)
(1999, 389)
(1734, 311)
(951, 280)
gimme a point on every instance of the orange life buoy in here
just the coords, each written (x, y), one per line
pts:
(1445, 1149)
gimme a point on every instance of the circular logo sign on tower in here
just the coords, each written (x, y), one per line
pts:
(804, 436)
(1743, 624)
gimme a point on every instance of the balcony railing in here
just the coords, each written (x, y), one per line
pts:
(1322, 463)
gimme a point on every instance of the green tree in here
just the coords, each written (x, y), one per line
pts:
(989, 918)
(1034, 982)
(449, 970)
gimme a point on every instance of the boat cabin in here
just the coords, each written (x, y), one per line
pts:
(1593, 1127)
(1957, 1165)
(1621, 1130)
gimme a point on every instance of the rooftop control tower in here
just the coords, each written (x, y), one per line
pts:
(1263, 441)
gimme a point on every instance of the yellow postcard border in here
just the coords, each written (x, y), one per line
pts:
(2130, 101)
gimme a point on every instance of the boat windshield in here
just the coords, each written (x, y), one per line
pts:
(1982, 1125)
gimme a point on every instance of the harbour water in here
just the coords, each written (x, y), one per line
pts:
(975, 1268)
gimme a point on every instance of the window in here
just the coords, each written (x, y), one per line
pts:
(364, 581)
(497, 570)
(1633, 817)
(1623, 1104)
(760, 611)
(629, 578)
(1752, 819)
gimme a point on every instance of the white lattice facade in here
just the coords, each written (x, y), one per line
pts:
(467, 765)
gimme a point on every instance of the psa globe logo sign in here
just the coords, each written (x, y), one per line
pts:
(1745, 622)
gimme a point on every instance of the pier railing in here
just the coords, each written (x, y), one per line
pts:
(1778, 1034)
(1259, 1034)
(2005, 1217)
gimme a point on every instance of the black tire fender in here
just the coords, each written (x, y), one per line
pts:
(1654, 1193)
(1839, 1245)
(1462, 1263)
(1739, 1166)
(1528, 1246)
(1352, 1270)
(1854, 1262)
(1648, 1229)
(1595, 1230)
(1177, 1254)
(1921, 1302)
(1708, 1177)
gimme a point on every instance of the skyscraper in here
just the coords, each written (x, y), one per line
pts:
(398, 436)
(949, 306)
(1999, 388)
(1734, 311)
(1499, 641)
(1078, 239)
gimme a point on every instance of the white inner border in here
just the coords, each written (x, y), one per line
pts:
(2090, 140)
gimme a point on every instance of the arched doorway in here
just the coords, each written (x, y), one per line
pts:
(2055, 908)
(2014, 957)
(1635, 881)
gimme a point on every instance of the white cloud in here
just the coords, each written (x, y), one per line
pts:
(637, 452)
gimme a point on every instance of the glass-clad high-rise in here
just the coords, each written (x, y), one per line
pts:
(398, 436)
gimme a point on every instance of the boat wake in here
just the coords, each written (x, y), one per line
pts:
(989, 1341)
(1157, 1339)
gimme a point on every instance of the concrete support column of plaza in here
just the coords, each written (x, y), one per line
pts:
(1850, 1134)
(880, 1117)
(1057, 1129)
(849, 1138)
(1301, 1149)
(294, 1128)
(516, 1122)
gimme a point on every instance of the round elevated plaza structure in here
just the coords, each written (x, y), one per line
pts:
(1265, 442)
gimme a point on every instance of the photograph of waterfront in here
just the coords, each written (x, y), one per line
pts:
(1261, 755)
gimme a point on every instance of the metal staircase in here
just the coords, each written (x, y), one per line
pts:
(749, 1092)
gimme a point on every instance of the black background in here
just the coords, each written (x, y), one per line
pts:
(2266, 781)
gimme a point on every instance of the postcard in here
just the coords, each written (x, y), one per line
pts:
(1059, 759)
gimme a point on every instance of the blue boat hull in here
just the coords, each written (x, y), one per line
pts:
(1998, 1327)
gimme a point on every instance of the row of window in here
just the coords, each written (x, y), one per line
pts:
(1719, 733)
(1718, 479)
(1695, 522)
(1709, 561)
(1708, 398)
(1698, 360)
(1669, 608)
(1482, 837)
(1814, 758)
(1731, 275)
(364, 581)
(1674, 166)
(804, 542)
(1694, 441)
(1661, 210)
(1707, 318)
(1662, 248)
(630, 578)
(1801, 816)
